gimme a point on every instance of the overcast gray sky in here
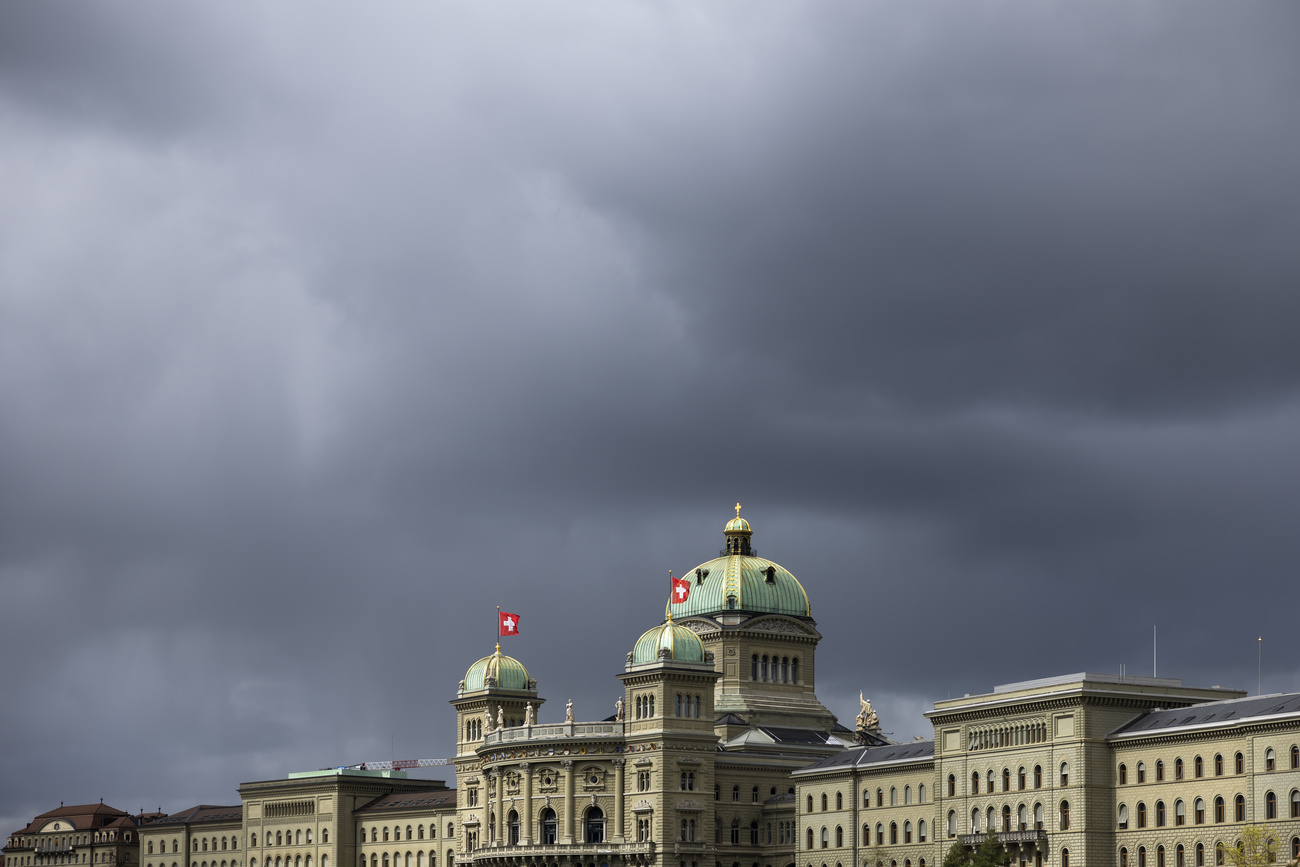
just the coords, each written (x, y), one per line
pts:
(325, 329)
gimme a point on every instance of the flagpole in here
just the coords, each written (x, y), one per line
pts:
(498, 639)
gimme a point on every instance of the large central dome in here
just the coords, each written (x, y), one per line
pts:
(741, 581)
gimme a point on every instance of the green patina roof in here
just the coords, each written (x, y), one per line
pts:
(737, 525)
(509, 673)
(681, 642)
(745, 578)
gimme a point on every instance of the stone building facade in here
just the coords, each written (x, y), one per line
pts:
(1082, 769)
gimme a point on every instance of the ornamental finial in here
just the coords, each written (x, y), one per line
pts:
(738, 510)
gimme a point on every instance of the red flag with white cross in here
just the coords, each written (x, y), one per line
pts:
(509, 623)
(681, 589)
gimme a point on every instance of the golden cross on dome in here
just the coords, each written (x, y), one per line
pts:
(738, 510)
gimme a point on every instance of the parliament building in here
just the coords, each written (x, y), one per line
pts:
(721, 755)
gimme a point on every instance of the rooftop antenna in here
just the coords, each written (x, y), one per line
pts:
(1259, 671)
(1153, 650)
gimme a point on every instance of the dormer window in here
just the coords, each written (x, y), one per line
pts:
(770, 572)
(731, 602)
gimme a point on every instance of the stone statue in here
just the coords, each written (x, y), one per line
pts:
(868, 720)
(528, 714)
(501, 718)
(568, 712)
(487, 721)
(618, 710)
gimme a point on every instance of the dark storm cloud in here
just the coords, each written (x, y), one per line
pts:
(323, 335)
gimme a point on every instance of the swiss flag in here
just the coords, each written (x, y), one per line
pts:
(509, 623)
(681, 589)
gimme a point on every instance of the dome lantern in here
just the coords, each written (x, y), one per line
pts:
(738, 533)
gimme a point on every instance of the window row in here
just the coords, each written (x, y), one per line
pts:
(1198, 810)
(688, 706)
(893, 834)
(1198, 766)
(399, 859)
(1021, 780)
(592, 830)
(753, 794)
(1221, 855)
(783, 669)
(380, 834)
(285, 861)
(1019, 821)
(645, 706)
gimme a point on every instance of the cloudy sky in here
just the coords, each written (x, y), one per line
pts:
(324, 330)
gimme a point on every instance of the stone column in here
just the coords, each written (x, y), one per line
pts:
(618, 801)
(567, 837)
(526, 814)
(498, 827)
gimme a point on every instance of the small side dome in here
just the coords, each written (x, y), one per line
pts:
(668, 642)
(737, 525)
(497, 671)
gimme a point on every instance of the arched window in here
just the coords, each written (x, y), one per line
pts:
(1270, 760)
(1270, 806)
(735, 796)
(824, 802)
(1239, 764)
(810, 838)
(794, 670)
(594, 824)
(1065, 858)
(839, 837)
(785, 669)
(880, 797)
(920, 793)
(1295, 803)
(1198, 767)
(1142, 772)
(1180, 859)
(1038, 776)
(952, 785)
(920, 831)
(1200, 855)
(1038, 817)
(907, 831)
(975, 783)
(1198, 811)
(548, 826)
(1065, 773)
(893, 833)
(512, 828)
(810, 803)
(1240, 811)
(952, 824)
(1178, 769)
(975, 820)
(1142, 815)
(1006, 818)
(1218, 764)
(1218, 853)
(753, 667)
(1123, 774)
(1218, 809)
(893, 796)
(1160, 770)
(1065, 815)
(1180, 812)
(866, 797)
(763, 668)
(1295, 757)
(1006, 779)
(1123, 858)
(1160, 814)
(826, 835)
(1123, 816)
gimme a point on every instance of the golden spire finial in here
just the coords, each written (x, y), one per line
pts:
(738, 510)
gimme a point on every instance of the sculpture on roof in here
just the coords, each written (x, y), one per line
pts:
(501, 717)
(618, 710)
(568, 712)
(487, 721)
(528, 714)
(868, 720)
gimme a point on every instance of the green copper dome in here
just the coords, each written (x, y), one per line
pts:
(682, 645)
(741, 581)
(505, 672)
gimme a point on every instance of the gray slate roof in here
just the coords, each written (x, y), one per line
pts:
(1213, 714)
(861, 757)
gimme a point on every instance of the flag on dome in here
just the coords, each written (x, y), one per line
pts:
(681, 589)
(509, 623)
